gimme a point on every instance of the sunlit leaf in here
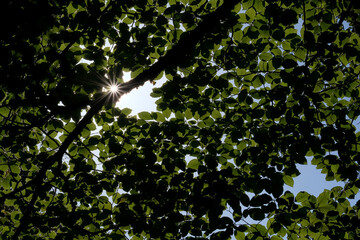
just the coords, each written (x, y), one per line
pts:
(145, 115)
(193, 164)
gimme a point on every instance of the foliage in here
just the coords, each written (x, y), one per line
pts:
(253, 88)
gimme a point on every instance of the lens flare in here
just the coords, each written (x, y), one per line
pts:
(114, 88)
(111, 84)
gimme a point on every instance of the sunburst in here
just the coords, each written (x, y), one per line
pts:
(114, 88)
(109, 83)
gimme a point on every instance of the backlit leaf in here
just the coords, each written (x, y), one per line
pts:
(145, 115)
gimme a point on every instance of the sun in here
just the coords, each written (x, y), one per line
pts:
(114, 88)
(112, 85)
(112, 92)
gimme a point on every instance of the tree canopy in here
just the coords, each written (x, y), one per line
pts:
(253, 88)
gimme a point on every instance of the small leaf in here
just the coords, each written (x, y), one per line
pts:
(250, 14)
(265, 56)
(70, 126)
(85, 133)
(179, 115)
(70, 9)
(91, 126)
(156, 93)
(188, 113)
(127, 20)
(331, 119)
(14, 169)
(323, 198)
(145, 115)
(4, 111)
(209, 122)
(135, 73)
(240, 235)
(277, 61)
(238, 35)
(158, 116)
(167, 113)
(242, 145)
(193, 164)
(216, 114)
(302, 196)
(288, 180)
(126, 111)
(300, 53)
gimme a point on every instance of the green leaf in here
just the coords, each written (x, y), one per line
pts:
(179, 115)
(300, 53)
(91, 126)
(145, 116)
(167, 113)
(158, 117)
(188, 114)
(331, 119)
(258, 81)
(288, 180)
(156, 92)
(14, 169)
(265, 56)
(238, 36)
(193, 164)
(216, 114)
(302, 196)
(127, 20)
(85, 133)
(323, 198)
(136, 72)
(208, 122)
(70, 127)
(250, 14)
(240, 235)
(4, 111)
(126, 111)
(71, 9)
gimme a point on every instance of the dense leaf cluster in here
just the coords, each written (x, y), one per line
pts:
(253, 88)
